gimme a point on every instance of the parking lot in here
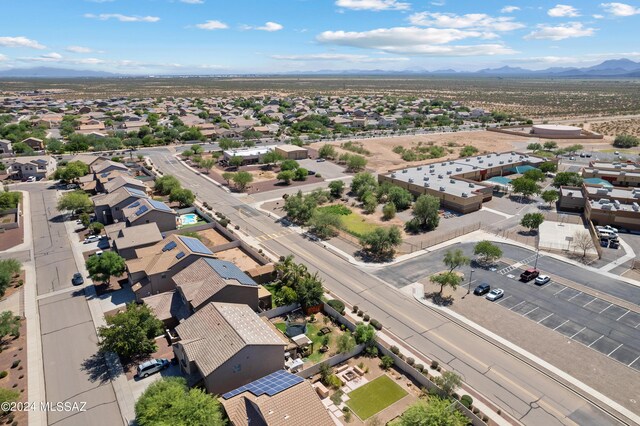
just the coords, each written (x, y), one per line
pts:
(598, 324)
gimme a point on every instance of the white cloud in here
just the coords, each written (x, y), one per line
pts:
(620, 9)
(560, 32)
(563, 11)
(3, 58)
(89, 61)
(509, 9)
(122, 18)
(47, 57)
(20, 42)
(375, 5)
(79, 49)
(270, 27)
(212, 25)
(192, 1)
(415, 41)
(597, 16)
(471, 20)
(343, 57)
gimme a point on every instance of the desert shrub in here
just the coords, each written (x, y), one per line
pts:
(360, 313)
(366, 317)
(15, 363)
(419, 367)
(3, 374)
(394, 349)
(411, 361)
(434, 365)
(466, 400)
(354, 309)
(336, 304)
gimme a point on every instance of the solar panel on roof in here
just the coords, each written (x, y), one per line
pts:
(180, 255)
(229, 271)
(136, 204)
(169, 246)
(270, 385)
(141, 210)
(136, 192)
(195, 245)
(159, 205)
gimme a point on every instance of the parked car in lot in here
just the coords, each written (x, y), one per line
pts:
(482, 289)
(495, 294)
(92, 239)
(77, 279)
(542, 279)
(614, 244)
(320, 160)
(72, 186)
(529, 274)
(149, 367)
(608, 228)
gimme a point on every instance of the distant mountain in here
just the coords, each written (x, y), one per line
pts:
(50, 72)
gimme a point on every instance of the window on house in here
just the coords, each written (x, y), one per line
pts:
(164, 275)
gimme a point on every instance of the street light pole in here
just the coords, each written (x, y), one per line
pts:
(535, 266)
(470, 277)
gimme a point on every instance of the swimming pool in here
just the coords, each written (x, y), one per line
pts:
(188, 219)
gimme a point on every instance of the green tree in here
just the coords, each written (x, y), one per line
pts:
(169, 401)
(103, 267)
(525, 187)
(548, 167)
(356, 163)
(369, 203)
(55, 146)
(130, 333)
(300, 208)
(327, 151)
(76, 201)
(95, 227)
(197, 149)
(532, 221)
(550, 145)
(85, 219)
(425, 213)
(386, 362)
(550, 196)
(207, 164)
(286, 296)
(242, 180)
(364, 334)
(626, 141)
(433, 412)
(400, 197)
(324, 224)
(446, 279)
(362, 183)
(345, 343)
(381, 242)
(535, 175)
(455, 258)
(389, 211)
(286, 176)
(449, 381)
(228, 176)
(487, 251)
(271, 158)
(235, 161)
(166, 184)
(289, 165)
(567, 179)
(534, 147)
(300, 174)
(336, 188)
(10, 200)
(9, 325)
(183, 196)
(309, 290)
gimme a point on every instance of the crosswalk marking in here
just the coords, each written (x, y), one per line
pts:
(506, 270)
(266, 237)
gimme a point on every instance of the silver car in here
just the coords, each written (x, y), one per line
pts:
(495, 294)
(153, 366)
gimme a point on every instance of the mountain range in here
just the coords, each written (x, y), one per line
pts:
(612, 68)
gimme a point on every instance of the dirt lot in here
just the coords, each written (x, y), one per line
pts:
(212, 238)
(616, 127)
(15, 350)
(238, 257)
(383, 159)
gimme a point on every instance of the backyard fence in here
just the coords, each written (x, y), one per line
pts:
(434, 240)
(280, 310)
(334, 360)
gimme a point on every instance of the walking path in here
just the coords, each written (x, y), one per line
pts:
(629, 255)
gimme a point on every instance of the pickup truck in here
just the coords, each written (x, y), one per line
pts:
(529, 274)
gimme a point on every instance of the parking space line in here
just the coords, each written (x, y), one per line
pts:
(574, 296)
(609, 354)
(517, 305)
(561, 325)
(544, 318)
(610, 305)
(589, 302)
(558, 292)
(530, 311)
(620, 317)
(595, 340)
(502, 300)
(578, 333)
(629, 365)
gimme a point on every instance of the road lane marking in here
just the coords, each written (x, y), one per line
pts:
(609, 354)
(561, 325)
(530, 311)
(620, 317)
(629, 365)
(502, 300)
(558, 292)
(577, 333)
(517, 305)
(545, 318)
(595, 340)
(575, 295)
(588, 302)
(610, 305)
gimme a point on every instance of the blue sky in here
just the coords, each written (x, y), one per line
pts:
(250, 36)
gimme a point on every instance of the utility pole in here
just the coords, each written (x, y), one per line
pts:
(470, 277)
(535, 266)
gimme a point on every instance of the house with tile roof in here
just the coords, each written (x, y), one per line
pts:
(147, 210)
(227, 345)
(125, 240)
(38, 166)
(108, 207)
(121, 180)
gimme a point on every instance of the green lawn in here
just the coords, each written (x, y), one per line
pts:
(356, 224)
(272, 288)
(312, 333)
(281, 326)
(375, 396)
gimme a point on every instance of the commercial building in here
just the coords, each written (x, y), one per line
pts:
(616, 173)
(555, 130)
(292, 152)
(618, 207)
(459, 183)
(248, 155)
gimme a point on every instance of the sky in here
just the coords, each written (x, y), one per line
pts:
(151, 37)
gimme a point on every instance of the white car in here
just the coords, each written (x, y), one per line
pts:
(31, 179)
(542, 279)
(92, 239)
(495, 294)
(608, 228)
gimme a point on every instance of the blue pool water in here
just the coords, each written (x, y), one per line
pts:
(188, 219)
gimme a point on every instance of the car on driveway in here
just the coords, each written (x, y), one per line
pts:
(542, 279)
(495, 294)
(92, 239)
(149, 367)
(77, 279)
(529, 274)
(482, 289)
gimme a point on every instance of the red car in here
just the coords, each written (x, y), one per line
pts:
(529, 274)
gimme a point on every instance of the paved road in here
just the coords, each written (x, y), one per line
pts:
(516, 386)
(68, 334)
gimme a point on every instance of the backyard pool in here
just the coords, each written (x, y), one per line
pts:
(188, 219)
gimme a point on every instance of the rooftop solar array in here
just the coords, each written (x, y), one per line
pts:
(136, 192)
(136, 204)
(270, 385)
(169, 246)
(229, 271)
(159, 205)
(141, 210)
(180, 255)
(195, 245)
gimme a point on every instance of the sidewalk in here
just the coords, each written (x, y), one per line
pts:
(27, 238)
